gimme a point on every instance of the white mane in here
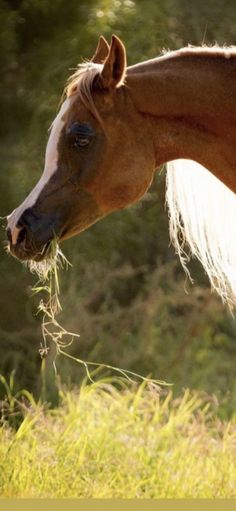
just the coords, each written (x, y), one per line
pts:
(202, 214)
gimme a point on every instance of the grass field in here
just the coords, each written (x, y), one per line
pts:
(112, 441)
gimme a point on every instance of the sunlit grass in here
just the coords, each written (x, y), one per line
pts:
(112, 438)
(112, 441)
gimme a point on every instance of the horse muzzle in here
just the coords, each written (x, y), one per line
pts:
(29, 236)
(32, 234)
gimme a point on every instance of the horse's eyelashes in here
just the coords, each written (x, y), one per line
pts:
(79, 134)
(80, 142)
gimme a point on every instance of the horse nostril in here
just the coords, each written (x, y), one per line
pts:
(22, 235)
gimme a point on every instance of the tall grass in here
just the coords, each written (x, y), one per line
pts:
(112, 441)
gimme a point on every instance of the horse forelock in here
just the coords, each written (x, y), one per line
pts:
(80, 83)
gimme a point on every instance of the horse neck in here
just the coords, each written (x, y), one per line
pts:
(189, 99)
(186, 82)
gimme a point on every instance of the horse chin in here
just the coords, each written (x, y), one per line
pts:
(24, 254)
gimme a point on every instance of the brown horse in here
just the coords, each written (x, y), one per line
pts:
(116, 126)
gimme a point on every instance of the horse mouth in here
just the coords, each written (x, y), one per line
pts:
(29, 249)
(24, 253)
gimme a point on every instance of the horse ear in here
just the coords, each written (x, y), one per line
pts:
(114, 67)
(101, 51)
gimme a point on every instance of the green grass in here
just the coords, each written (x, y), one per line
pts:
(109, 440)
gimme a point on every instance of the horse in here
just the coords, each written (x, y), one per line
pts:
(115, 127)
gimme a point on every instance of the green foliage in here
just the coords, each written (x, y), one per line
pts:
(125, 294)
(111, 441)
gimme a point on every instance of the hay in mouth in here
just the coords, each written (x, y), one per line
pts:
(52, 330)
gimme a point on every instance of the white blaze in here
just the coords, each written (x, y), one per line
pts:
(51, 159)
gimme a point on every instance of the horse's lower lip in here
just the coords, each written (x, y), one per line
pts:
(27, 255)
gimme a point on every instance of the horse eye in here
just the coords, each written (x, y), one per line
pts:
(79, 134)
(81, 142)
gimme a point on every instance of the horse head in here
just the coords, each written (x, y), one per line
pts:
(97, 159)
